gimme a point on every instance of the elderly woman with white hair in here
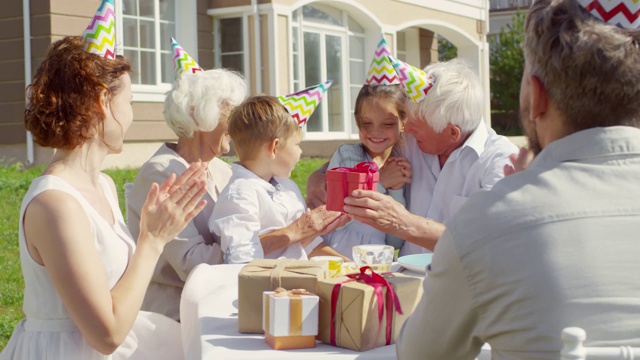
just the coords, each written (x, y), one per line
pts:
(196, 109)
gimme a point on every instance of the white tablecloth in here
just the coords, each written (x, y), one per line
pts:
(209, 320)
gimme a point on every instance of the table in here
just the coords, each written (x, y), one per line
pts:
(209, 313)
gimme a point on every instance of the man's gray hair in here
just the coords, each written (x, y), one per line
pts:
(456, 98)
(196, 100)
(591, 70)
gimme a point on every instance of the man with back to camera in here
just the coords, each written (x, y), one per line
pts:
(556, 244)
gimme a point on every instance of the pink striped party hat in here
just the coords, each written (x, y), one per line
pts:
(381, 70)
(416, 82)
(301, 104)
(182, 62)
(621, 13)
(100, 35)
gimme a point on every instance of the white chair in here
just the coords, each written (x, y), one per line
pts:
(573, 349)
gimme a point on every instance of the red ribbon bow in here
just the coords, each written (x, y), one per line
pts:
(377, 281)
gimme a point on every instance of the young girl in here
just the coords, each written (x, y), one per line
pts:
(380, 118)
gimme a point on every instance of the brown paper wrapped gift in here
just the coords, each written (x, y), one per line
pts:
(266, 275)
(357, 323)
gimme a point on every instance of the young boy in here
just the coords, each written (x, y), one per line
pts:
(260, 198)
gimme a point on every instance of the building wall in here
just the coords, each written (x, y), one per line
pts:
(53, 19)
(12, 71)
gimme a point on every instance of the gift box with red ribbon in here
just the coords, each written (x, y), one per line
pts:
(341, 181)
(290, 318)
(366, 310)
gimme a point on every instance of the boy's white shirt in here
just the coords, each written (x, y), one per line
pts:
(248, 207)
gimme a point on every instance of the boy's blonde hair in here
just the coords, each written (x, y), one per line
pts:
(258, 120)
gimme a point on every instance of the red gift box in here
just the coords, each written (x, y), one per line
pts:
(341, 181)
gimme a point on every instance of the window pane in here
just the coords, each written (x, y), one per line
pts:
(322, 15)
(147, 8)
(129, 7)
(294, 38)
(130, 29)
(294, 15)
(147, 35)
(356, 47)
(231, 34)
(334, 72)
(357, 72)
(132, 56)
(312, 71)
(354, 26)
(167, 30)
(147, 67)
(354, 95)
(168, 73)
(167, 10)
(234, 62)
(402, 42)
(296, 68)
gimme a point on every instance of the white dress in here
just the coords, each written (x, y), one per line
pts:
(48, 332)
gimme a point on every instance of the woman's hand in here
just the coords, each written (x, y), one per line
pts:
(170, 206)
(395, 173)
(519, 161)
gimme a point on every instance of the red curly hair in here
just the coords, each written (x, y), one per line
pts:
(64, 109)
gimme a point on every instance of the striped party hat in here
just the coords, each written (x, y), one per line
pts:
(416, 82)
(301, 104)
(182, 62)
(381, 70)
(100, 35)
(621, 13)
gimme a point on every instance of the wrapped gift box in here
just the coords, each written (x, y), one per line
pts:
(266, 275)
(359, 315)
(290, 319)
(341, 182)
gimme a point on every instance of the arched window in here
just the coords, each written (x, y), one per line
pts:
(329, 44)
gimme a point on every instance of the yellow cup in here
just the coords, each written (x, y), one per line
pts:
(334, 263)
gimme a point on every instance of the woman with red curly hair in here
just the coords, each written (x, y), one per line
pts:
(85, 278)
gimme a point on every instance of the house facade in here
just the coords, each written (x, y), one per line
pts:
(278, 45)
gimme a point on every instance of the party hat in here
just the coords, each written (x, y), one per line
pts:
(182, 62)
(416, 82)
(621, 13)
(381, 70)
(301, 104)
(100, 35)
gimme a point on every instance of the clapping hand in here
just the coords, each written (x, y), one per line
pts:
(170, 206)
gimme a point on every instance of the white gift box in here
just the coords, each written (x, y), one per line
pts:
(290, 314)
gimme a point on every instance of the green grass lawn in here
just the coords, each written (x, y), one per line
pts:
(14, 182)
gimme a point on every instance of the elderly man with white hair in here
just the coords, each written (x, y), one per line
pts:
(452, 152)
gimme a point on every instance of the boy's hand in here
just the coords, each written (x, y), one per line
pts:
(319, 221)
(395, 173)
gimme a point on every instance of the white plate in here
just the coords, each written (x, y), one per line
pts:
(416, 263)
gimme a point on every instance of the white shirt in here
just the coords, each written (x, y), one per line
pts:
(437, 193)
(249, 207)
(553, 246)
